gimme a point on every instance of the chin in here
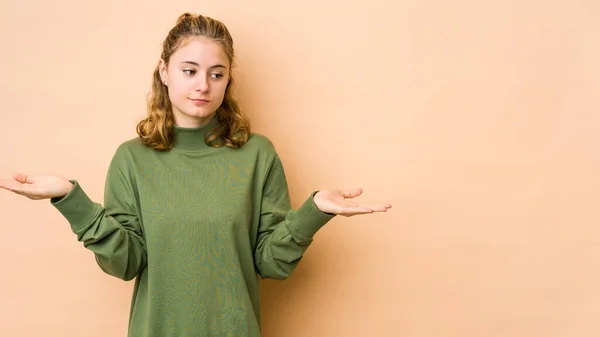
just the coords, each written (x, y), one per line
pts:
(201, 113)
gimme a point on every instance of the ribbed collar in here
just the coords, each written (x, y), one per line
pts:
(192, 139)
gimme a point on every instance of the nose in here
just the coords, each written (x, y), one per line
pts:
(202, 84)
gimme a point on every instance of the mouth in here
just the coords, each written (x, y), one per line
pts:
(199, 101)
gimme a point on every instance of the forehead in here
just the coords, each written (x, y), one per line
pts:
(200, 50)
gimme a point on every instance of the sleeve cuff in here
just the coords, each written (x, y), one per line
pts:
(309, 218)
(76, 207)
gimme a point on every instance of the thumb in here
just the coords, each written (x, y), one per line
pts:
(353, 193)
(22, 178)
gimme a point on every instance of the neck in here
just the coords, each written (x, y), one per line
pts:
(193, 138)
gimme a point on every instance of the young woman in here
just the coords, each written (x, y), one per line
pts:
(197, 205)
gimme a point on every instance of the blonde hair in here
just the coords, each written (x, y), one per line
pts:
(156, 130)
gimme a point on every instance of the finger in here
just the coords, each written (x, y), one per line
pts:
(20, 177)
(8, 184)
(374, 207)
(353, 193)
(25, 189)
(20, 189)
(383, 205)
(349, 211)
(378, 207)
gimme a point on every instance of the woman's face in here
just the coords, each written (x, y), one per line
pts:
(196, 78)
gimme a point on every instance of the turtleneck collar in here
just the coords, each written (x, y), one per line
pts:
(192, 139)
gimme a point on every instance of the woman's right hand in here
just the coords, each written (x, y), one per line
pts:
(37, 187)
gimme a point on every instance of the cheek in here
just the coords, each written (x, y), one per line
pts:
(219, 89)
(179, 87)
(174, 92)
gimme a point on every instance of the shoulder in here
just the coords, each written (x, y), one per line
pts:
(260, 143)
(131, 145)
(261, 151)
(129, 149)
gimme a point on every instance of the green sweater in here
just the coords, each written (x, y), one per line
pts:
(195, 226)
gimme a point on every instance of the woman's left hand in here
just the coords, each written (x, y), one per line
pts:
(336, 202)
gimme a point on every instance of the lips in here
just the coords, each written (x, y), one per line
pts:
(199, 101)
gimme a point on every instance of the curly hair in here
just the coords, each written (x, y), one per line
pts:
(156, 130)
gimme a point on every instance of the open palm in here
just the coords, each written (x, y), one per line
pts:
(37, 187)
(338, 202)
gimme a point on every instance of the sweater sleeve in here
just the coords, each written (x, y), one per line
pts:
(113, 232)
(284, 234)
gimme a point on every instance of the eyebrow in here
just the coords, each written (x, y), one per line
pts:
(197, 65)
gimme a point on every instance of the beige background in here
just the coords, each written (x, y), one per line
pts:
(477, 120)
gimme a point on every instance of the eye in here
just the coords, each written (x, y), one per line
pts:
(216, 75)
(189, 71)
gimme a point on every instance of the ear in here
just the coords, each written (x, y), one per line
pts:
(162, 70)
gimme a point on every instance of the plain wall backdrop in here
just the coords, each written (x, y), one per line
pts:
(479, 121)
